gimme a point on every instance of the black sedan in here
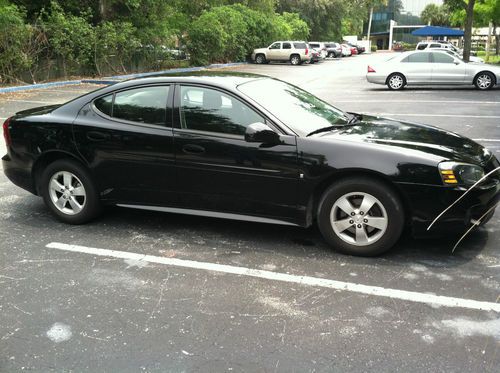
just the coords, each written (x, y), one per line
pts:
(252, 148)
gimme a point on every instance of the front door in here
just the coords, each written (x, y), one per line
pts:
(217, 169)
(274, 52)
(447, 70)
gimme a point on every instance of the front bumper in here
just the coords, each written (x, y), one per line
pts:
(427, 202)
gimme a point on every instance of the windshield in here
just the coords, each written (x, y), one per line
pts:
(301, 111)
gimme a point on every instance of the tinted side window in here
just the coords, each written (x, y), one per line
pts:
(144, 105)
(442, 58)
(287, 46)
(299, 45)
(104, 104)
(421, 46)
(418, 57)
(275, 46)
(314, 45)
(435, 46)
(210, 110)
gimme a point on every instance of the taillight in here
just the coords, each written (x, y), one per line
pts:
(371, 69)
(6, 133)
(307, 51)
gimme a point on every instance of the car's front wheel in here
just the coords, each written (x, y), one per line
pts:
(68, 191)
(396, 81)
(360, 216)
(484, 81)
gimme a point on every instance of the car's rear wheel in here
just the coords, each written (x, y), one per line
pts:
(396, 81)
(68, 191)
(360, 216)
(331, 55)
(295, 59)
(260, 59)
(484, 81)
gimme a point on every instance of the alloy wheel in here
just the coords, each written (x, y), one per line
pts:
(295, 60)
(484, 81)
(396, 82)
(67, 192)
(359, 218)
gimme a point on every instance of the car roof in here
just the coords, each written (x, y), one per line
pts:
(220, 78)
(225, 80)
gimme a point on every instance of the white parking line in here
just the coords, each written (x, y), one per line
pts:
(437, 115)
(410, 296)
(487, 140)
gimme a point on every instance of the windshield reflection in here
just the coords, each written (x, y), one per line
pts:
(298, 109)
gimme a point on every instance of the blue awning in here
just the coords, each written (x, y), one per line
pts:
(437, 31)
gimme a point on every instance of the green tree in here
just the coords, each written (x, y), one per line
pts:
(436, 15)
(468, 7)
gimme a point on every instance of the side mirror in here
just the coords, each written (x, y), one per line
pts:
(260, 132)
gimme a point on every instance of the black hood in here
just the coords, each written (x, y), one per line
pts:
(420, 137)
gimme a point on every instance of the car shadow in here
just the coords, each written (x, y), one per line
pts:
(29, 214)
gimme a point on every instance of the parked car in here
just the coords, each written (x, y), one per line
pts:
(247, 147)
(471, 58)
(437, 44)
(346, 50)
(320, 47)
(333, 50)
(315, 55)
(359, 49)
(432, 67)
(296, 52)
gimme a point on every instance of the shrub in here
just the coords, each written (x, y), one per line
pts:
(373, 48)
(14, 39)
(231, 32)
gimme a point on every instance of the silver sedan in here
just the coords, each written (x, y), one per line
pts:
(432, 67)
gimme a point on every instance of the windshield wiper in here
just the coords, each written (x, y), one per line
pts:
(355, 118)
(324, 129)
(351, 121)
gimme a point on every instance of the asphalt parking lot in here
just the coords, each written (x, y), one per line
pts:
(186, 294)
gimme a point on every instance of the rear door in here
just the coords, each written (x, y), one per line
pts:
(217, 169)
(127, 139)
(286, 49)
(417, 68)
(446, 69)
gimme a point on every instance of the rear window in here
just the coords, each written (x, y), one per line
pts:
(143, 105)
(417, 58)
(299, 45)
(104, 104)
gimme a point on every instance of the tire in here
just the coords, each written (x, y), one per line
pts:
(331, 55)
(260, 59)
(484, 81)
(355, 234)
(295, 59)
(69, 193)
(396, 81)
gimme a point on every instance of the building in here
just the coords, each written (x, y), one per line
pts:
(403, 12)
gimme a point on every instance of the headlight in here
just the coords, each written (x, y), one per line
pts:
(454, 173)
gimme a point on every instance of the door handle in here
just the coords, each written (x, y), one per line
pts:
(193, 149)
(97, 136)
